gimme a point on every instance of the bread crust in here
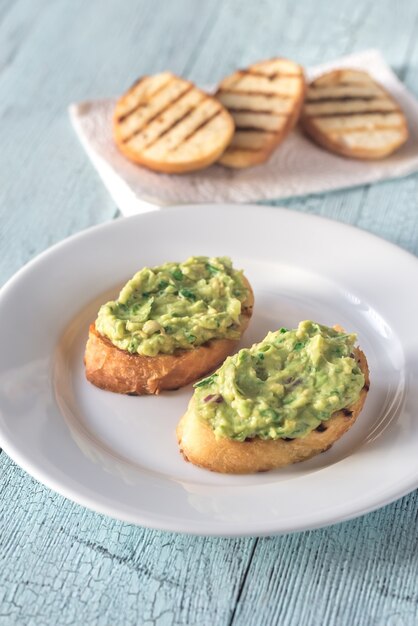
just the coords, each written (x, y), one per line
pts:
(323, 139)
(113, 369)
(338, 148)
(199, 445)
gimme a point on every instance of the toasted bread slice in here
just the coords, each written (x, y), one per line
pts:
(265, 101)
(166, 124)
(199, 445)
(347, 112)
(113, 369)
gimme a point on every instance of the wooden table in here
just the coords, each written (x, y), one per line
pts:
(62, 564)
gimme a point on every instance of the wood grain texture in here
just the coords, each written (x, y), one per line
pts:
(61, 564)
(362, 573)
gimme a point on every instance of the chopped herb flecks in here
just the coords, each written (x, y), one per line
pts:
(186, 293)
(206, 381)
(177, 274)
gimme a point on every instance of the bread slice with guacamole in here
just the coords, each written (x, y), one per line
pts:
(282, 401)
(170, 325)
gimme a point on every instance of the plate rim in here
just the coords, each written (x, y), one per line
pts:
(139, 518)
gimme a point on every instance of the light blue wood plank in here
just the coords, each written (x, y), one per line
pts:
(362, 573)
(61, 561)
(59, 53)
(61, 564)
(309, 32)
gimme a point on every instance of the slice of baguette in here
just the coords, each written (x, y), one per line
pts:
(113, 369)
(199, 445)
(167, 124)
(265, 101)
(347, 112)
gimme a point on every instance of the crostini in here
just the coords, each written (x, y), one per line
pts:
(349, 113)
(279, 402)
(265, 101)
(170, 325)
(167, 124)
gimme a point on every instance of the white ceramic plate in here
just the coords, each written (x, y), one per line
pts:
(118, 455)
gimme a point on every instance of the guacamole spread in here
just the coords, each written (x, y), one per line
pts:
(175, 306)
(283, 387)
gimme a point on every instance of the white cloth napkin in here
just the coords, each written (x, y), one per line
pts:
(297, 167)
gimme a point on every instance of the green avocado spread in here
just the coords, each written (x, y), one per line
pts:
(175, 306)
(283, 387)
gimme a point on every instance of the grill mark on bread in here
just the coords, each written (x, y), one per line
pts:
(347, 412)
(173, 125)
(259, 83)
(195, 130)
(267, 122)
(165, 109)
(337, 98)
(358, 83)
(252, 72)
(250, 129)
(253, 129)
(156, 101)
(140, 104)
(257, 103)
(349, 113)
(355, 105)
(125, 116)
(233, 110)
(321, 428)
(174, 147)
(339, 92)
(267, 94)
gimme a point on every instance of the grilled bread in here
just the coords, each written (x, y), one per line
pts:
(265, 101)
(113, 369)
(347, 112)
(166, 124)
(199, 445)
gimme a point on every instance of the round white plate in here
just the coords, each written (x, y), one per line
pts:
(118, 455)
